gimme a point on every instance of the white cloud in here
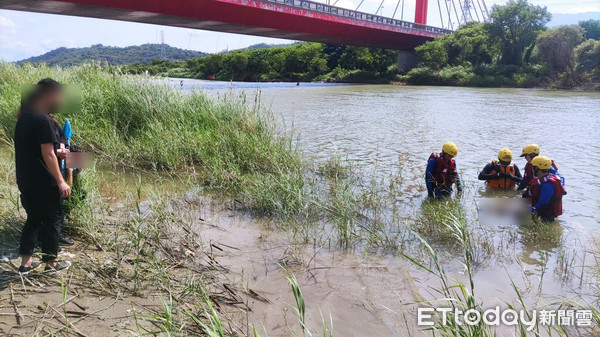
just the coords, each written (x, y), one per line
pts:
(7, 26)
(48, 42)
(583, 9)
(11, 45)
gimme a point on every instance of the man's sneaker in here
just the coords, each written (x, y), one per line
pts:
(62, 265)
(65, 241)
(25, 270)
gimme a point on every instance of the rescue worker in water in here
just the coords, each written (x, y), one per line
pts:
(546, 190)
(441, 172)
(530, 152)
(501, 172)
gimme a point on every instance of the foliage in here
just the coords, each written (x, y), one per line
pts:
(555, 47)
(497, 54)
(468, 45)
(144, 54)
(515, 27)
(587, 57)
(432, 54)
(591, 28)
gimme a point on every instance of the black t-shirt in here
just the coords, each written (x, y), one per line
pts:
(33, 129)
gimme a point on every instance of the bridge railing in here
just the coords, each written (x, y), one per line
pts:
(352, 14)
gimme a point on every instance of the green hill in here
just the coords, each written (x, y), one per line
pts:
(145, 53)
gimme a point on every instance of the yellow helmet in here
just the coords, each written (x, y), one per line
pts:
(530, 149)
(505, 155)
(541, 162)
(450, 148)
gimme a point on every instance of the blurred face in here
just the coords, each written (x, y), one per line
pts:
(51, 101)
(447, 156)
(528, 157)
(539, 173)
(55, 99)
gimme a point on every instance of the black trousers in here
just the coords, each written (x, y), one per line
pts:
(44, 215)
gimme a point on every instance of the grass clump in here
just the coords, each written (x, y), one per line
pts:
(134, 122)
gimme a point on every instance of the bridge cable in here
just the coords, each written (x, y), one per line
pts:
(396, 9)
(361, 2)
(481, 10)
(378, 8)
(486, 9)
(440, 10)
(456, 13)
(449, 15)
(476, 14)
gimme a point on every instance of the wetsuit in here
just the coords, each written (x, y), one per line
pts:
(495, 174)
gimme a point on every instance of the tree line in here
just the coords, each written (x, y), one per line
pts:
(297, 62)
(514, 49)
(144, 54)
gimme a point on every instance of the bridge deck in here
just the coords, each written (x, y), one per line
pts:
(288, 19)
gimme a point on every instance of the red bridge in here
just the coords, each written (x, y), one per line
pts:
(288, 19)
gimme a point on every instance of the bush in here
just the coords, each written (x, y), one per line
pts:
(422, 76)
(458, 75)
(526, 80)
(490, 81)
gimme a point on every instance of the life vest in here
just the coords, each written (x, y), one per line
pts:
(554, 208)
(502, 182)
(445, 171)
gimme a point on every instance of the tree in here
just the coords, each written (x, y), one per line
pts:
(592, 29)
(357, 58)
(587, 56)
(515, 26)
(432, 54)
(555, 47)
(471, 43)
(334, 53)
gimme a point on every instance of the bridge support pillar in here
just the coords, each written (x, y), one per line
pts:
(407, 59)
(421, 12)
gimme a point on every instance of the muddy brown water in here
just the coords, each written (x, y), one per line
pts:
(395, 128)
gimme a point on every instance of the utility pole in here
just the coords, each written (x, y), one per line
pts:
(163, 51)
(466, 9)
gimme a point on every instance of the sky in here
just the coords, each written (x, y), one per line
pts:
(24, 34)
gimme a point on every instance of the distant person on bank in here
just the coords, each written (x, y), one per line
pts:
(441, 173)
(38, 173)
(501, 173)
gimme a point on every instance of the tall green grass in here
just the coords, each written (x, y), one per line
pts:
(134, 122)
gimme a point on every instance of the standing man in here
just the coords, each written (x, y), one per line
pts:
(501, 172)
(529, 152)
(38, 175)
(546, 190)
(441, 172)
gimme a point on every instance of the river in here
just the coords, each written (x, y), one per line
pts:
(395, 128)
